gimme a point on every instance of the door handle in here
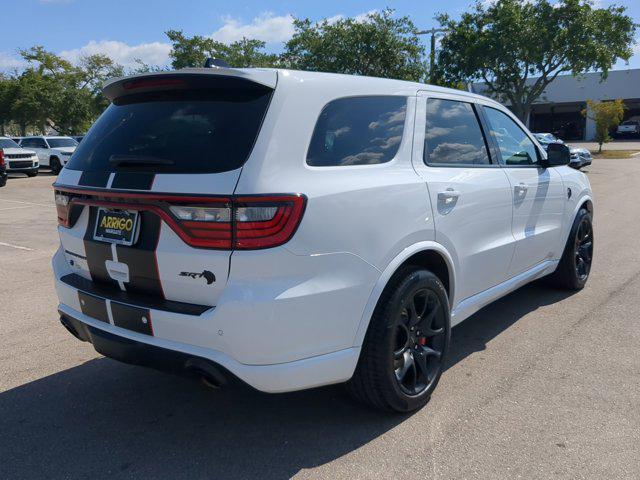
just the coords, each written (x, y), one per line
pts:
(448, 197)
(520, 190)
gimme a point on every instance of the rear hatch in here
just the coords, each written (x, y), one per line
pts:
(144, 202)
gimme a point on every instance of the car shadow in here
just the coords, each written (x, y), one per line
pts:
(106, 419)
(41, 173)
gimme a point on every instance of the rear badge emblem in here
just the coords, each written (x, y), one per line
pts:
(207, 275)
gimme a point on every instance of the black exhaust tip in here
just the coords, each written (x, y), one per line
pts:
(207, 372)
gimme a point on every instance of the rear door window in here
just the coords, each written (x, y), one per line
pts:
(358, 131)
(182, 131)
(453, 136)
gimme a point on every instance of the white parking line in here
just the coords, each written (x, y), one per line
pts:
(28, 203)
(14, 208)
(16, 246)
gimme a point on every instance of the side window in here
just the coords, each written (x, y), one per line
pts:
(358, 131)
(515, 146)
(27, 142)
(453, 136)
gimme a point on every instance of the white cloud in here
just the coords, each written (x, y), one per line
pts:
(10, 62)
(155, 53)
(266, 27)
(361, 17)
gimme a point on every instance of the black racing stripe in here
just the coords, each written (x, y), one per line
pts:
(144, 301)
(97, 252)
(141, 258)
(94, 307)
(132, 318)
(94, 179)
(133, 180)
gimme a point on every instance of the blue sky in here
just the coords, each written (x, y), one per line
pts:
(131, 29)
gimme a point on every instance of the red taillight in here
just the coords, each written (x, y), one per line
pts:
(1, 158)
(263, 222)
(62, 207)
(243, 223)
(204, 226)
(153, 82)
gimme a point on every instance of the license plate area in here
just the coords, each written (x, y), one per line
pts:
(116, 226)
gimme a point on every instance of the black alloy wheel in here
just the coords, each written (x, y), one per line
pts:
(419, 342)
(405, 348)
(574, 267)
(583, 249)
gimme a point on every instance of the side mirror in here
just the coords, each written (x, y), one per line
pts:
(557, 154)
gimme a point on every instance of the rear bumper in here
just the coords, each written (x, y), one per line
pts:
(259, 331)
(138, 349)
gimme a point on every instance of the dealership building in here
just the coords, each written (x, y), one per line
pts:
(560, 107)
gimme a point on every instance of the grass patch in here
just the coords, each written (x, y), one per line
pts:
(615, 154)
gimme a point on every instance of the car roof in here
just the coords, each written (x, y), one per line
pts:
(272, 77)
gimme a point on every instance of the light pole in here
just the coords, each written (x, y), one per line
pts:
(432, 53)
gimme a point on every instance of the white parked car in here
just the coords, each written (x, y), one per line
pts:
(297, 229)
(53, 152)
(628, 128)
(18, 159)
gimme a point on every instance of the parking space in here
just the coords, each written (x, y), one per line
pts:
(541, 384)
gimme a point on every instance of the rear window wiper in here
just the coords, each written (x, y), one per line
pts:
(137, 160)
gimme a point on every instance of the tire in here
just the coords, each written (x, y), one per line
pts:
(3, 181)
(34, 173)
(575, 265)
(55, 165)
(399, 366)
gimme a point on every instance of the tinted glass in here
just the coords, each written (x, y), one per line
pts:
(515, 146)
(453, 135)
(8, 143)
(184, 131)
(61, 142)
(33, 142)
(358, 131)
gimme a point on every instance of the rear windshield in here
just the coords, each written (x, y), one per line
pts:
(8, 143)
(630, 122)
(183, 131)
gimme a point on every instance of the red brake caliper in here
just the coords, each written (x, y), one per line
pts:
(422, 341)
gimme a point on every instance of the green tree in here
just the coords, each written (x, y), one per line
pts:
(249, 53)
(194, 51)
(378, 45)
(53, 92)
(8, 95)
(518, 47)
(606, 115)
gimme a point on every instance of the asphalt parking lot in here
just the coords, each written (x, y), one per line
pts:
(542, 384)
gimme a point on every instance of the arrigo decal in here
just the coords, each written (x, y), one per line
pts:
(114, 223)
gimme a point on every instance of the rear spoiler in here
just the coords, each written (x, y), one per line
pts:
(190, 78)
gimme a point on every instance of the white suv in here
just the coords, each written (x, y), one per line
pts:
(17, 159)
(297, 229)
(53, 152)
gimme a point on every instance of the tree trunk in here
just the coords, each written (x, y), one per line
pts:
(23, 130)
(523, 112)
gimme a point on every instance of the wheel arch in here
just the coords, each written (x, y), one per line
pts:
(585, 203)
(430, 255)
